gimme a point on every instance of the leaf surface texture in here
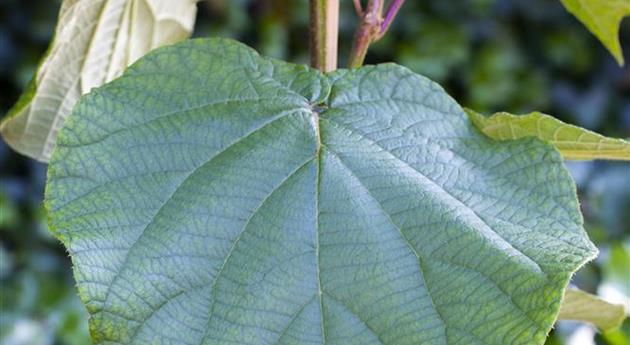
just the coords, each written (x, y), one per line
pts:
(213, 196)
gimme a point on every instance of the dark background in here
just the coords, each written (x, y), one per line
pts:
(513, 55)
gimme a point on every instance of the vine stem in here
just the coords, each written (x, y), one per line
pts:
(372, 28)
(392, 11)
(324, 32)
(358, 8)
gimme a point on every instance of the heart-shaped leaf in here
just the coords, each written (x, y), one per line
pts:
(212, 196)
(95, 40)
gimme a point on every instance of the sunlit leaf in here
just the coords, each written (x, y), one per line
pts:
(573, 142)
(94, 41)
(213, 196)
(602, 18)
(581, 306)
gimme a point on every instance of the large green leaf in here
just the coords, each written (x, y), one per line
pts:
(581, 306)
(212, 196)
(602, 18)
(94, 41)
(573, 142)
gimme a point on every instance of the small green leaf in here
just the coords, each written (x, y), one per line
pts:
(602, 18)
(581, 306)
(94, 41)
(615, 270)
(573, 142)
(213, 196)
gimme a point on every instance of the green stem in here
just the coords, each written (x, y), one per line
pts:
(324, 31)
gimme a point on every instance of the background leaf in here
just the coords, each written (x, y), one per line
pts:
(581, 306)
(573, 142)
(94, 41)
(222, 197)
(602, 18)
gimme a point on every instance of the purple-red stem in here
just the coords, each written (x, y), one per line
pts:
(392, 11)
(372, 28)
(369, 28)
(358, 8)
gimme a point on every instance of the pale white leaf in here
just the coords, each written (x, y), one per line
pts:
(95, 40)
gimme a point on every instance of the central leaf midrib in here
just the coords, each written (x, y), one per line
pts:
(316, 124)
(404, 237)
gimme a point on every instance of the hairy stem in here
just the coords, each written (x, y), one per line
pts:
(324, 31)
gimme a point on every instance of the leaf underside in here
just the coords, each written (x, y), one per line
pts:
(573, 142)
(602, 18)
(94, 41)
(581, 306)
(212, 196)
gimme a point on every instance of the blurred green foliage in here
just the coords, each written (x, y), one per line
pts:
(491, 55)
